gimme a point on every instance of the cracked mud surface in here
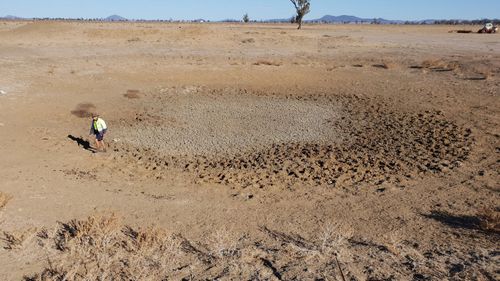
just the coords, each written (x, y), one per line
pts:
(258, 140)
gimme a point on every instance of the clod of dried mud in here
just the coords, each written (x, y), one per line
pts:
(132, 94)
(384, 65)
(248, 40)
(490, 220)
(268, 63)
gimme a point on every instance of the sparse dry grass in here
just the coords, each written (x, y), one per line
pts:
(440, 65)
(15, 240)
(4, 199)
(102, 248)
(12, 240)
(83, 232)
(223, 244)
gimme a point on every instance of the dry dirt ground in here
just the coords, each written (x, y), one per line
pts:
(249, 152)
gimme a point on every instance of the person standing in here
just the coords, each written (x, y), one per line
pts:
(98, 128)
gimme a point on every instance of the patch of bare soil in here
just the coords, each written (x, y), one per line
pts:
(84, 110)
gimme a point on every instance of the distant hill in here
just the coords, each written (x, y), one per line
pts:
(115, 18)
(340, 19)
(353, 19)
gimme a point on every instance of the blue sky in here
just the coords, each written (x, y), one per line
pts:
(257, 9)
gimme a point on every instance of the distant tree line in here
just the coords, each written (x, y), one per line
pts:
(117, 20)
(467, 22)
(293, 19)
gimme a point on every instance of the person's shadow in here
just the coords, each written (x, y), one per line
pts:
(83, 143)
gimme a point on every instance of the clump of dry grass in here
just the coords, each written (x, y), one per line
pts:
(4, 199)
(489, 220)
(223, 244)
(86, 231)
(440, 65)
(326, 254)
(101, 248)
(15, 240)
(12, 240)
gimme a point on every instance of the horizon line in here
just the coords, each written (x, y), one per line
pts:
(124, 19)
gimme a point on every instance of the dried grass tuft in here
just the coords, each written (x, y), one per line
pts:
(15, 240)
(223, 244)
(4, 199)
(441, 65)
(86, 231)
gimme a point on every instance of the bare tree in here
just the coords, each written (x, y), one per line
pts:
(302, 7)
(246, 18)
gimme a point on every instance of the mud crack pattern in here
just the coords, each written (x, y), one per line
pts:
(380, 143)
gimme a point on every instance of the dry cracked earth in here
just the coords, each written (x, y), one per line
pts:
(233, 138)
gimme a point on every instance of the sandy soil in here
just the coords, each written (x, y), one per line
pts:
(249, 152)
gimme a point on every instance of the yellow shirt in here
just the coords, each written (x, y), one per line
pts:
(99, 125)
